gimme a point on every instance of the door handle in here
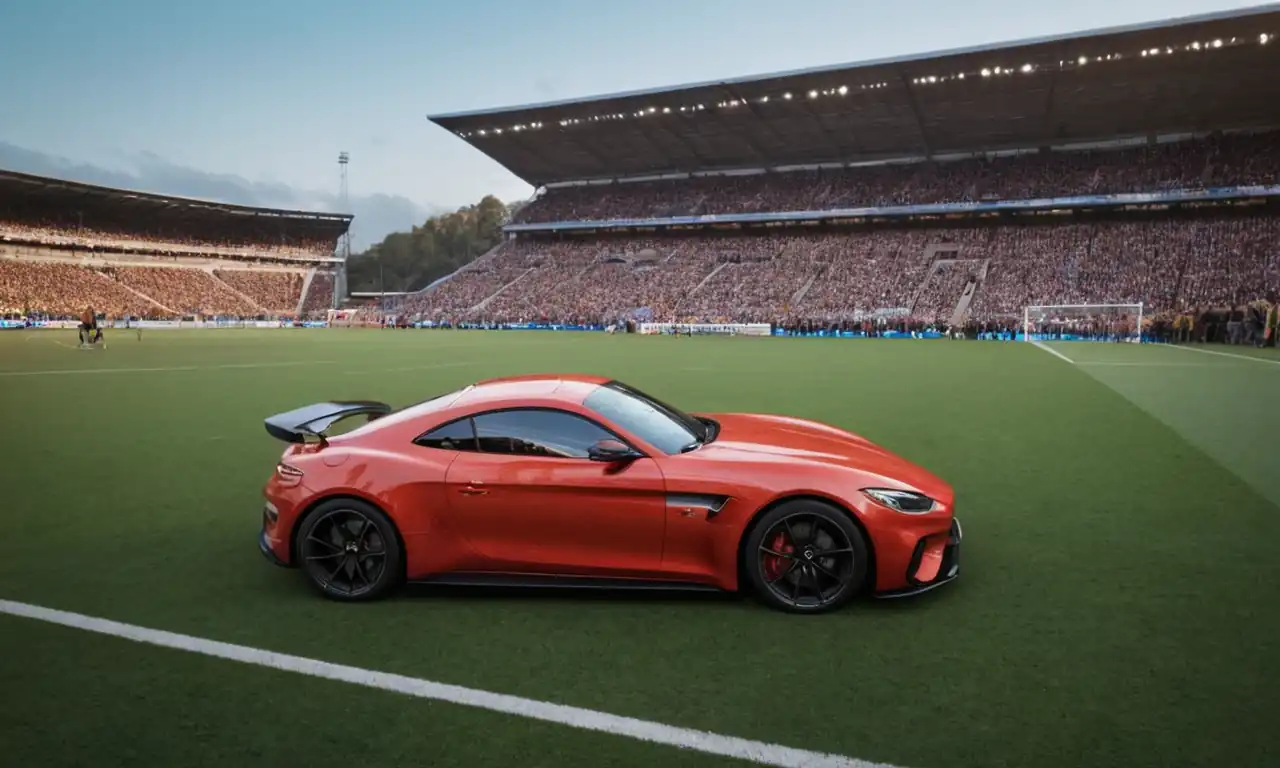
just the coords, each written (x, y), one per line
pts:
(472, 490)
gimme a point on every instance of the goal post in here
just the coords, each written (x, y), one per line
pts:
(1083, 322)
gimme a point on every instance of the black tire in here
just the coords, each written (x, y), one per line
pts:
(349, 550)
(805, 556)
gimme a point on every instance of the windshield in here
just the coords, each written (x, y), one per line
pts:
(668, 429)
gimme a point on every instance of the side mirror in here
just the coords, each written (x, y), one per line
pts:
(611, 451)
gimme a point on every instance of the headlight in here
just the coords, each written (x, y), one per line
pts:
(907, 502)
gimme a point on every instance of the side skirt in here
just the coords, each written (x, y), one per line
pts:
(535, 581)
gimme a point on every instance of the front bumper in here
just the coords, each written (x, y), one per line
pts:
(947, 571)
(265, 546)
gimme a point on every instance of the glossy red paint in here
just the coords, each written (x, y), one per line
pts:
(460, 512)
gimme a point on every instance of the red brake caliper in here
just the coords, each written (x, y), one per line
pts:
(775, 565)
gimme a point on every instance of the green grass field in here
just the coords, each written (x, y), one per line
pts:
(1119, 603)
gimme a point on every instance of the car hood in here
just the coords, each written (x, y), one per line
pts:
(763, 437)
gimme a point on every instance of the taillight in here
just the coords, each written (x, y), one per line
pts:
(288, 474)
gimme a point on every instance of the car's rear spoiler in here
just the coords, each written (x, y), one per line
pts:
(294, 426)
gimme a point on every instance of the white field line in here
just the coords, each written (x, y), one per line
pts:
(1053, 351)
(1149, 364)
(1224, 354)
(165, 369)
(758, 752)
(229, 366)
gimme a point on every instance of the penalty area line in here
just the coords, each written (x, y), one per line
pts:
(759, 752)
(1053, 351)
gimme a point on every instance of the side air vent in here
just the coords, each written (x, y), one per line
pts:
(695, 503)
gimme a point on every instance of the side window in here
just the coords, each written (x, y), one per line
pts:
(533, 432)
(459, 435)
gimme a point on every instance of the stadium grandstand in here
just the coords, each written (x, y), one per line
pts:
(66, 246)
(1114, 167)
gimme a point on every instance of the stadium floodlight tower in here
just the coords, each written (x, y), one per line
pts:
(1101, 322)
(343, 250)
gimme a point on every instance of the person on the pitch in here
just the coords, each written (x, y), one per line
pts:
(90, 333)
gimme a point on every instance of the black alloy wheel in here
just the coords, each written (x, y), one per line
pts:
(806, 557)
(349, 550)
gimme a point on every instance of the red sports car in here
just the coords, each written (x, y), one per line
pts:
(574, 480)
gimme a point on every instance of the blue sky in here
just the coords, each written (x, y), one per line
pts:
(270, 90)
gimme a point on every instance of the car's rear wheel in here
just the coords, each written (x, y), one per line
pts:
(806, 556)
(349, 550)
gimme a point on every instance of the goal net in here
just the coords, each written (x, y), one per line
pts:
(1083, 322)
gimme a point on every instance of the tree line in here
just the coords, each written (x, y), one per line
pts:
(409, 261)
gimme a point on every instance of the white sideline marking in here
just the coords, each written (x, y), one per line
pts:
(657, 733)
(1149, 364)
(1053, 352)
(86, 371)
(1224, 354)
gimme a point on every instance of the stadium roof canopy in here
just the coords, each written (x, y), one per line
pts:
(1188, 75)
(160, 211)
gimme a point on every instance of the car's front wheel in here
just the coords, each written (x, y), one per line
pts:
(806, 556)
(349, 550)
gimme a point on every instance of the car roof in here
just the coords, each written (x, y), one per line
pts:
(585, 378)
(574, 387)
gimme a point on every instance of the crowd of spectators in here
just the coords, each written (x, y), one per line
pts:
(1220, 160)
(319, 295)
(183, 291)
(921, 274)
(61, 289)
(64, 288)
(276, 291)
(1169, 264)
(56, 235)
